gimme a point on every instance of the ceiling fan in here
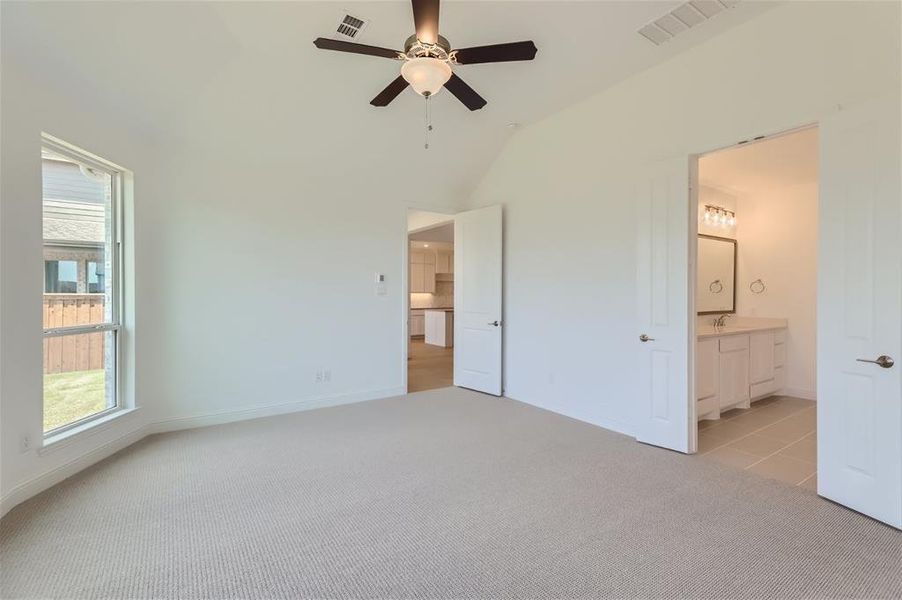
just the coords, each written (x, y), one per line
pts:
(429, 60)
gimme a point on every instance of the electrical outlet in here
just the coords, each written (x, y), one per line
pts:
(24, 444)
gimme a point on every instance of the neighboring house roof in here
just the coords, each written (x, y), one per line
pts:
(74, 222)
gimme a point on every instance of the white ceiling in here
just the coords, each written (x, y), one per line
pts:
(244, 77)
(780, 162)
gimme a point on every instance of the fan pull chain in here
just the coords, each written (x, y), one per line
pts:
(428, 121)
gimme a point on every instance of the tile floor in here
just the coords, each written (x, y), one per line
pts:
(775, 438)
(429, 367)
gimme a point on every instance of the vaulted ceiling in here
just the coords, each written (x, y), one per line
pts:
(244, 78)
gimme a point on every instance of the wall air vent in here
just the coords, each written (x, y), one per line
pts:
(350, 26)
(683, 18)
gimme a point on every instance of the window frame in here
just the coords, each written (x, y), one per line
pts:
(114, 325)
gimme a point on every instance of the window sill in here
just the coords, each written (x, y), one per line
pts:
(63, 439)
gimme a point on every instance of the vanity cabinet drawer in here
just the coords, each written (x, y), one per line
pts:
(780, 355)
(731, 343)
(765, 388)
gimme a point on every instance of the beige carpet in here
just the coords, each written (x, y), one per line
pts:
(435, 495)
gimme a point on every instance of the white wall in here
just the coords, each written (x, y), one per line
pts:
(28, 108)
(251, 275)
(566, 185)
(777, 239)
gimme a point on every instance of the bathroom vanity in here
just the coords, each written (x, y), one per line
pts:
(738, 363)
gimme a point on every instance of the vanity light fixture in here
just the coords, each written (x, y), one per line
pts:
(719, 216)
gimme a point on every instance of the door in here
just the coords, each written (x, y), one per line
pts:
(859, 312)
(477, 300)
(663, 200)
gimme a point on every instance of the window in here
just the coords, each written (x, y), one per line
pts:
(95, 277)
(82, 304)
(60, 276)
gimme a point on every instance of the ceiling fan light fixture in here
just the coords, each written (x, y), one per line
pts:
(426, 75)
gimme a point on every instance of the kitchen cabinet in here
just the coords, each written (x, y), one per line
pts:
(444, 261)
(440, 327)
(417, 323)
(422, 272)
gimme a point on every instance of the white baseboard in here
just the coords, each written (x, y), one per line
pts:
(36, 485)
(32, 487)
(609, 424)
(268, 410)
(799, 393)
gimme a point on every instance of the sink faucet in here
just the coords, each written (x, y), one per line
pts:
(720, 321)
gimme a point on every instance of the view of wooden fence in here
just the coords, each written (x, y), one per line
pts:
(82, 352)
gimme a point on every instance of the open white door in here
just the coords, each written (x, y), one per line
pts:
(477, 300)
(663, 387)
(859, 312)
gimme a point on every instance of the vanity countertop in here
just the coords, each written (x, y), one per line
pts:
(740, 326)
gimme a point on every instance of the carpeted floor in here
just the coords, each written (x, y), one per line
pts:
(440, 494)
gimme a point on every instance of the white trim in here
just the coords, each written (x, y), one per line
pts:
(799, 393)
(36, 485)
(62, 437)
(268, 410)
(622, 427)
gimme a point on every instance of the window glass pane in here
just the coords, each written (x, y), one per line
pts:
(95, 277)
(60, 276)
(79, 377)
(78, 238)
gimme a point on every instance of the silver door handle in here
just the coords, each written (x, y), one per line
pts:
(495, 323)
(645, 338)
(884, 361)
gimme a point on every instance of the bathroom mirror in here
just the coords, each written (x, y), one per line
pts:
(716, 288)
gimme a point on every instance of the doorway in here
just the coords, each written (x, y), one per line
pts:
(430, 291)
(755, 289)
(454, 280)
(859, 310)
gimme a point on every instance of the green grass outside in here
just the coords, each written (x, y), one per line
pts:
(72, 396)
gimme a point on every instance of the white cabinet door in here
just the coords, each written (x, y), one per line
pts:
(662, 272)
(429, 278)
(734, 377)
(418, 278)
(706, 369)
(761, 357)
(417, 324)
(443, 262)
(859, 310)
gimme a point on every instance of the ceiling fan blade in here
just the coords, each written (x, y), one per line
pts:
(497, 53)
(465, 93)
(390, 92)
(328, 44)
(425, 20)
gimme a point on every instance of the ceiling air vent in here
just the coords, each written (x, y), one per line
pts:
(350, 26)
(682, 18)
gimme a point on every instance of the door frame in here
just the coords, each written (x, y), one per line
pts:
(693, 257)
(405, 282)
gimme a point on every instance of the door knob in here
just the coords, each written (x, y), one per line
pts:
(645, 338)
(495, 323)
(884, 361)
